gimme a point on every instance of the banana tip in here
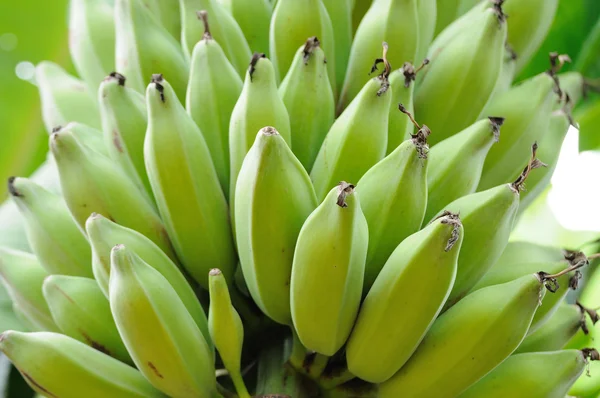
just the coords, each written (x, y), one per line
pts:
(11, 187)
(214, 272)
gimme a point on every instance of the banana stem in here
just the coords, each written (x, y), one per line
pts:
(311, 364)
(240, 386)
(329, 382)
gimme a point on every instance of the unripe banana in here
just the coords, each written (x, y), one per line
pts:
(473, 57)
(92, 39)
(530, 22)
(55, 365)
(124, 121)
(91, 182)
(472, 338)
(167, 14)
(410, 290)
(393, 21)
(258, 106)
(574, 85)
(565, 323)
(340, 12)
(307, 95)
(81, 311)
(359, 9)
(292, 22)
(64, 98)
(186, 186)
(517, 252)
(456, 163)
(254, 18)
(327, 271)
(507, 73)
(53, 235)
(86, 135)
(427, 15)
(358, 138)
(226, 329)
(213, 89)
(526, 109)
(144, 47)
(447, 11)
(400, 127)
(272, 186)
(224, 29)
(533, 375)
(393, 197)
(23, 276)
(169, 349)
(105, 234)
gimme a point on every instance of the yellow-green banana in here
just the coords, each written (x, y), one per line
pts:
(213, 90)
(64, 98)
(393, 196)
(533, 375)
(254, 18)
(158, 331)
(393, 21)
(292, 22)
(463, 73)
(92, 39)
(226, 329)
(224, 29)
(81, 311)
(144, 47)
(456, 163)
(468, 340)
(23, 276)
(310, 103)
(105, 234)
(86, 135)
(272, 186)
(358, 138)
(124, 122)
(327, 271)
(55, 365)
(340, 12)
(410, 290)
(259, 105)
(53, 235)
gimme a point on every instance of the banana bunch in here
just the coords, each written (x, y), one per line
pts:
(297, 198)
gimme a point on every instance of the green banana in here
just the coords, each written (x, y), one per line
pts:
(507, 73)
(358, 138)
(393, 197)
(530, 22)
(427, 15)
(92, 39)
(447, 12)
(175, 358)
(91, 182)
(410, 290)
(186, 186)
(533, 375)
(54, 237)
(588, 384)
(226, 329)
(456, 163)
(55, 365)
(393, 21)
(224, 29)
(259, 105)
(213, 90)
(124, 122)
(23, 276)
(527, 109)
(88, 136)
(564, 324)
(574, 85)
(272, 186)
(292, 22)
(359, 9)
(105, 234)
(327, 271)
(144, 47)
(340, 12)
(82, 312)
(64, 98)
(254, 18)
(472, 337)
(310, 103)
(473, 57)
(400, 128)
(167, 14)
(517, 252)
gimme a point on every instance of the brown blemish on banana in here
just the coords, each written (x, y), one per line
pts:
(64, 294)
(253, 62)
(32, 381)
(157, 78)
(309, 46)
(420, 138)
(11, 188)
(119, 77)
(447, 217)
(495, 124)
(344, 189)
(117, 141)
(533, 163)
(155, 370)
(203, 16)
(410, 73)
(94, 344)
